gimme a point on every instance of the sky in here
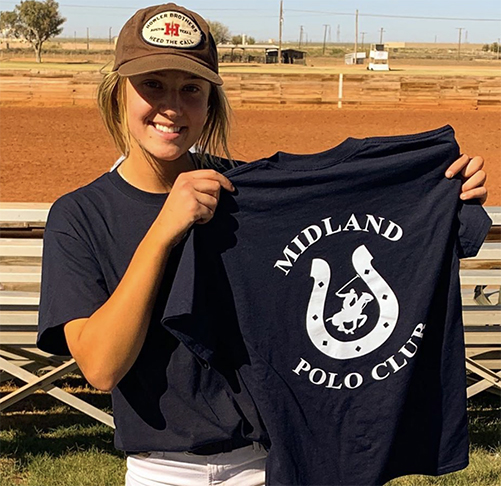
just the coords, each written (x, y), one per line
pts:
(479, 19)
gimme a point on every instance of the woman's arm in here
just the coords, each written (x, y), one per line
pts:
(473, 177)
(107, 344)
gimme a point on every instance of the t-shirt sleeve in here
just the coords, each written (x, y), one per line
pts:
(185, 312)
(73, 286)
(474, 224)
(200, 309)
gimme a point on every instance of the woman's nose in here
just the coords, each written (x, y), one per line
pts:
(171, 104)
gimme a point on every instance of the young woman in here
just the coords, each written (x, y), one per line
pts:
(111, 248)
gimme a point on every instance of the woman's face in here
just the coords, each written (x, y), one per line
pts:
(166, 112)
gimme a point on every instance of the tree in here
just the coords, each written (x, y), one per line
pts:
(33, 21)
(6, 20)
(237, 39)
(219, 31)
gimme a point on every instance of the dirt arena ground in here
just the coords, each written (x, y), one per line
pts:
(47, 152)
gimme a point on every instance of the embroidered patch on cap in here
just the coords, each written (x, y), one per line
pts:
(172, 29)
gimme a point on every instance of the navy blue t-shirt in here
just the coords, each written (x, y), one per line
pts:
(330, 282)
(167, 401)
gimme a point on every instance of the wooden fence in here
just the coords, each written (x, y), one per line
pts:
(369, 90)
(364, 90)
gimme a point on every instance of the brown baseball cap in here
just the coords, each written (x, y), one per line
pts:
(167, 37)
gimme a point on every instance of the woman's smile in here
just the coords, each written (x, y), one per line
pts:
(166, 129)
(166, 132)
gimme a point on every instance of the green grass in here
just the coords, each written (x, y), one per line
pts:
(89, 467)
(78, 454)
(45, 443)
(484, 470)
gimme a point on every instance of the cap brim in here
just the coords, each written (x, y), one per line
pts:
(172, 62)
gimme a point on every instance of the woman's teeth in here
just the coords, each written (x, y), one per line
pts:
(165, 129)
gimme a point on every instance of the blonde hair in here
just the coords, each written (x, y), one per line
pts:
(212, 141)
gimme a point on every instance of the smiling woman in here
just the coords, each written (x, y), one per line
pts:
(112, 249)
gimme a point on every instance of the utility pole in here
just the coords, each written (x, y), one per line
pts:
(459, 41)
(325, 37)
(109, 35)
(88, 47)
(338, 34)
(498, 48)
(466, 37)
(280, 32)
(363, 37)
(381, 35)
(356, 35)
(435, 38)
(75, 37)
(300, 36)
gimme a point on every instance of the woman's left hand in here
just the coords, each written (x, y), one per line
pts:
(473, 177)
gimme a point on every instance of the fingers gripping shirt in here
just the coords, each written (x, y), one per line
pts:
(330, 283)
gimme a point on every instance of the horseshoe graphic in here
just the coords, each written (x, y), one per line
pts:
(315, 323)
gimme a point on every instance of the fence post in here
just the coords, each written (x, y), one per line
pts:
(340, 91)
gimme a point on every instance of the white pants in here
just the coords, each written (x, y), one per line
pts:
(241, 467)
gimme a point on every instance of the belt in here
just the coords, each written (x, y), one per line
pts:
(222, 446)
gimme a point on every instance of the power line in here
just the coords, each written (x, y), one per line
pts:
(429, 18)
(115, 7)
(321, 12)
(395, 16)
(92, 7)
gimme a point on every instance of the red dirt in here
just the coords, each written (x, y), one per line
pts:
(49, 151)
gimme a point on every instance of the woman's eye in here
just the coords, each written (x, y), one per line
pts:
(153, 84)
(191, 88)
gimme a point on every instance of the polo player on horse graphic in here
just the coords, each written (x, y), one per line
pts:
(351, 312)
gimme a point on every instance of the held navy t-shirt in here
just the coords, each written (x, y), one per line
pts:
(167, 401)
(330, 282)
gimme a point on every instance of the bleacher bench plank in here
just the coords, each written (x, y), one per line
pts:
(23, 300)
(20, 273)
(489, 251)
(25, 213)
(18, 318)
(494, 214)
(479, 277)
(20, 247)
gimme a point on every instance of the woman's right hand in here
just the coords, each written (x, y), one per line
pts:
(192, 200)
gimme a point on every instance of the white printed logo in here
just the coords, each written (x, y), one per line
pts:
(351, 317)
(358, 315)
(172, 29)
